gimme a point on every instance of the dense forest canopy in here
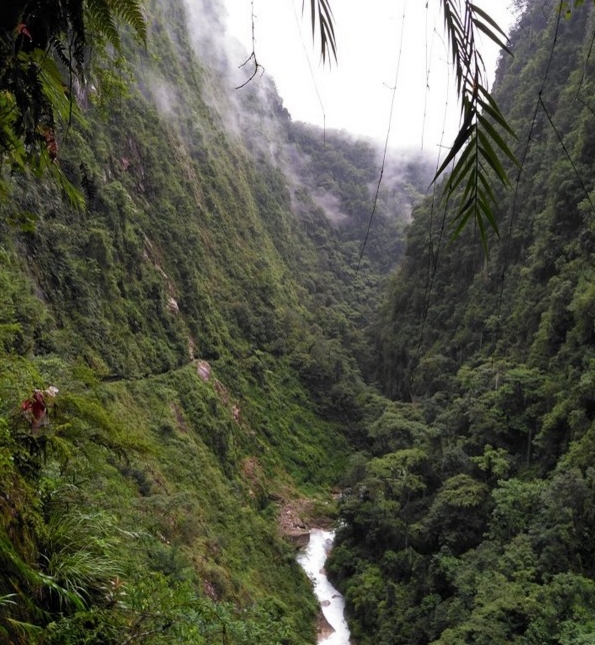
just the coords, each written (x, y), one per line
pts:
(471, 522)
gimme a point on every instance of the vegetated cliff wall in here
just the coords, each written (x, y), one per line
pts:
(144, 507)
(470, 522)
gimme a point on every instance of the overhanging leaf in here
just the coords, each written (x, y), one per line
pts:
(488, 32)
(321, 14)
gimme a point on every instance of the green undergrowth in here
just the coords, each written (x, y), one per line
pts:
(144, 503)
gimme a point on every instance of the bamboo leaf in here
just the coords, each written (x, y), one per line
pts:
(461, 171)
(482, 232)
(471, 187)
(321, 14)
(493, 133)
(491, 157)
(464, 135)
(487, 18)
(463, 214)
(486, 186)
(489, 215)
(492, 36)
(496, 115)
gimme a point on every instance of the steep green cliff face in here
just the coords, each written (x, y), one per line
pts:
(473, 521)
(145, 507)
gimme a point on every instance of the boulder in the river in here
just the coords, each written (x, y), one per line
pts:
(298, 537)
(324, 629)
(291, 524)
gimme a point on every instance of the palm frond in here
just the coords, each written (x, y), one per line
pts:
(321, 15)
(479, 148)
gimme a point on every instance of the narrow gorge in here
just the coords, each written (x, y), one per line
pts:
(213, 315)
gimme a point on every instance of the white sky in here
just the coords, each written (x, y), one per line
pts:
(356, 93)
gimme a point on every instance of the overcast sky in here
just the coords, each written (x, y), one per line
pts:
(355, 94)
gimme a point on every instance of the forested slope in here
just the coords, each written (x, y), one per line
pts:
(473, 521)
(201, 320)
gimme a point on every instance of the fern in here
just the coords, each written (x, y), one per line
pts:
(102, 20)
(129, 11)
(103, 15)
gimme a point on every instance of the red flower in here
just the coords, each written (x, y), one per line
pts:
(22, 30)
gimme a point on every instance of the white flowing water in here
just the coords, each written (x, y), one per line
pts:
(312, 559)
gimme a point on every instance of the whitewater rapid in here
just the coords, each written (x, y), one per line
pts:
(312, 559)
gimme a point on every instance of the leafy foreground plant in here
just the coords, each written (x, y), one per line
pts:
(478, 145)
(73, 571)
(44, 51)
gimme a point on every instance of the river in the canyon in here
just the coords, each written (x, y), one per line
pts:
(312, 559)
